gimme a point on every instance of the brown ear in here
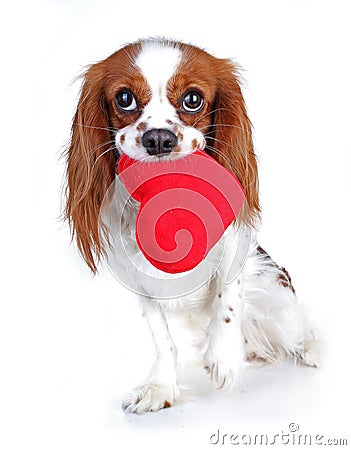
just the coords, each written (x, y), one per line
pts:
(90, 167)
(232, 137)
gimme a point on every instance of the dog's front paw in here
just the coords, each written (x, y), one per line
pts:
(222, 375)
(149, 397)
(222, 362)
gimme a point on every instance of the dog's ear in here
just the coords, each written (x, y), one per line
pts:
(90, 166)
(232, 137)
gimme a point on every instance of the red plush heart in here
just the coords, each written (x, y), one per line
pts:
(185, 207)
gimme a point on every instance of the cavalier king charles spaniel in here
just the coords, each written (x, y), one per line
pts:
(158, 100)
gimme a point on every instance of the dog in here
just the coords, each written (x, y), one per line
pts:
(159, 100)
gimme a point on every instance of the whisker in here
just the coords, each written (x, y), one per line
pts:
(95, 128)
(225, 143)
(230, 164)
(222, 125)
(212, 111)
(222, 155)
(94, 150)
(102, 154)
(209, 113)
(89, 152)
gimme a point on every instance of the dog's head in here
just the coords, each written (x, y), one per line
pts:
(154, 100)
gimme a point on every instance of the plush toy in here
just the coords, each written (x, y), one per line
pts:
(185, 206)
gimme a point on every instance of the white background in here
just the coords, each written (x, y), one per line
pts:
(71, 345)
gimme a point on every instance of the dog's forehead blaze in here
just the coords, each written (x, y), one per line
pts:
(158, 64)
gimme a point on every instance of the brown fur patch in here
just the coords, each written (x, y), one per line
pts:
(283, 276)
(137, 140)
(166, 404)
(122, 138)
(194, 144)
(141, 127)
(262, 252)
(254, 357)
(284, 279)
(227, 320)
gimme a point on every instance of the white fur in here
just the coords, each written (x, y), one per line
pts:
(253, 316)
(157, 64)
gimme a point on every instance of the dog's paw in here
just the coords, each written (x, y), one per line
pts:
(222, 375)
(222, 362)
(149, 397)
(311, 354)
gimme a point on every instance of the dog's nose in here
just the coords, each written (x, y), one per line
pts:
(159, 142)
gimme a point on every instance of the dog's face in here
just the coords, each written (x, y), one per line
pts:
(154, 100)
(161, 106)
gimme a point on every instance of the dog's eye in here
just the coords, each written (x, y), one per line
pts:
(125, 101)
(192, 101)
